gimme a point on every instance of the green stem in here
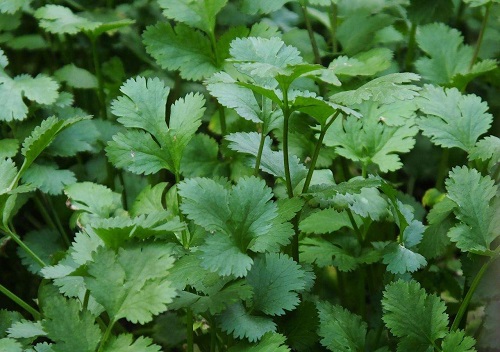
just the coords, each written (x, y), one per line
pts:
(259, 153)
(106, 336)
(364, 172)
(410, 51)
(481, 35)
(185, 240)
(310, 32)
(36, 315)
(21, 244)
(100, 81)
(333, 13)
(86, 299)
(222, 113)
(465, 303)
(359, 236)
(222, 119)
(213, 338)
(317, 149)
(189, 330)
(286, 115)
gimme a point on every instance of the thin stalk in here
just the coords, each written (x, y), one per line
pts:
(100, 81)
(189, 328)
(20, 302)
(213, 338)
(286, 115)
(259, 153)
(410, 51)
(443, 168)
(222, 113)
(185, 240)
(364, 172)
(222, 119)
(43, 211)
(57, 221)
(465, 303)
(28, 250)
(359, 236)
(312, 39)
(106, 336)
(317, 149)
(481, 35)
(333, 14)
(86, 299)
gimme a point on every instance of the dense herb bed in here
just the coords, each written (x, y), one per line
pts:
(252, 175)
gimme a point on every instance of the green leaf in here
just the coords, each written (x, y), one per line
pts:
(7, 319)
(425, 11)
(456, 341)
(93, 198)
(142, 105)
(386, 89)
(150, 200)
(476, 209)
(63, 318)
(76, 77)
(368, 203)
(453, 119)
(366, 63)
(201, 158)
(276, 279)
(340, 329)
(8, 170)
(10, 345)
(370, 141)
(271, 161)
(269, 342)
(237, 321)
(45, 243)
(8, 148)
(487, 148)
(253, 7)
(48, 178)
(12, 6)
(449, 57)
(26, 329)
(413, 315)
(61, 20)
(182, 48)
(402, 260)
(133, 283)
(200, 14)
(325, 221)
(125, 343)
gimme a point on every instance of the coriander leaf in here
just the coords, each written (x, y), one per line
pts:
(10, 345)
(63, 318)
(200, 14)
(201, 158)
(473, 194)
(142, 105)
(367, 203)
(487, 148)
(386, 89)
(133, 283)
(456, 341)
(93, 198)
(138, 152)
(8, 170)
(182, 48)
(411, 314)
(7, 319)
(26, 329)
(12, 6)
(340, 330)
(271, 161)
(76, 77)
(325, 221)
(276, 279)
(8, 148)
(369, 141)
(48, 178)
(61, 20)
(269, 342)
(220, 254)
(149, 200)
(452, 119)
(253, 7)
(125, 343)
(45, 243)
(425, 11)
(402, 260)
(366, 63)
(237, 321)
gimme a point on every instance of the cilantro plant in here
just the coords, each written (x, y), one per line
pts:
(216, 175)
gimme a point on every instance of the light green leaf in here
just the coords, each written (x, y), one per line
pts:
(125, 343)
(402, 260)
(76, 77)
(370, 141)
(183, 49)
(411, 314)
(201, 158)
(200, 14)
(93, 198)
(63, 318)
(269, 342)
(28, 42)
(237, 321)
(8, 170)
(8, 148)
(253, 7)
(453, 119)
(12, 6)
(10, 345)
(477, 201)
(133, 283)
(487, 148)
(366, 63)
(26, 329)
(340, 330)
(150, 200)
(386, 89)
(45, 243)
(61, 20)
(48, 178)
(325, 221)
(367, 203)
(456, 341)
(276, 279)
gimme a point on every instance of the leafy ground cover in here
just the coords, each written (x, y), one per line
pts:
(287, 175)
